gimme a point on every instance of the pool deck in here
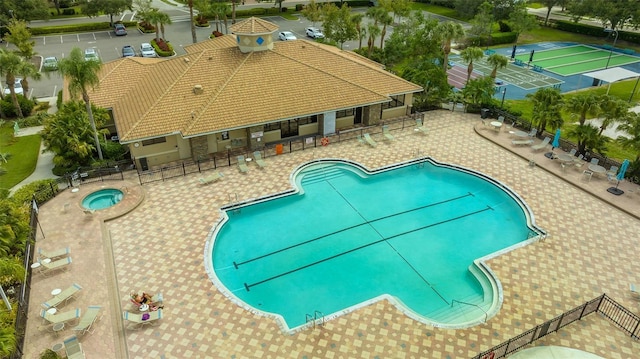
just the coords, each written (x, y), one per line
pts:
(154, 241)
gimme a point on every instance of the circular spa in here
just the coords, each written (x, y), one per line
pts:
(102, 199)
(415, 234)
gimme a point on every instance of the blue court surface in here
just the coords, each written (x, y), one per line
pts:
(521, 79)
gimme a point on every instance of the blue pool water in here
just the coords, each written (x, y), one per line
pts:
(347, 237)
(102, 199)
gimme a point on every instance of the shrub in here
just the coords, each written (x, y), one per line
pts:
(43, 191)
(26, 106)
(217, 33)
(146, 27)
(163, 48)
(49, 354)
(113, 150)
(84, 27)
(299, 7)
(69, 11)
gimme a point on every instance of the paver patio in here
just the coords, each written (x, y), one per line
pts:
(154, 241)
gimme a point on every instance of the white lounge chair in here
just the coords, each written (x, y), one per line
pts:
(259, 161)
(635, 290)
(521, 142)
(420, 126)
(142, 318)
(87, 320)
(63, 297)
(73, 348)
(360, 140)
(55, 265)
(61, 317)
(211, 178)
(369, 140)
(42, 253)
(542, 145)
(386, 133)
(242, 164)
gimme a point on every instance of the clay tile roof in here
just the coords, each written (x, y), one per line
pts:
(156, 97)
(254, 25)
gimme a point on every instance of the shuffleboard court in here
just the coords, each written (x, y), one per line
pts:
(573, 60)
(525, 78)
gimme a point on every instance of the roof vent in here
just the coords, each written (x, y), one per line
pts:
(186, 60)
(210, 57)
(197, 89)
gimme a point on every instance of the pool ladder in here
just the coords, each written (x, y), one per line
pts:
(418, 154)
(231, 200)
(315, 318)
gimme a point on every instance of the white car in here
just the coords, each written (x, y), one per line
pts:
(286, 36)
(146, 50)
(314, 33)
(17, 88)
(91, 55)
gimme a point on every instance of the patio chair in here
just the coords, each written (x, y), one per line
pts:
(242, 164)
(370, 140)
(42, 253)
(533, 132)
(360, 140)
(62, 317)
(521, 142)
(73, 348)
(55, 265)
(211, 178)
(87, 320)
(420, 126)
(580, 161)
(612, 172)
(63, 297)
(259, 161)
(386, 133)
(142, 318)
(594, 161)
(573, 152)
(542, 145)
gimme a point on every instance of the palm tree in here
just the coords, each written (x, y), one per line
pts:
(82, 75)
(583, 104)
(613, 110)
(11, 65)
(588, 138)
(469, 55)
(448, 31)
(356, 19)
(373, 30)
(631, 125)
(547, 105)
(498, 62)
(159, 19)
(385, 20)
(193, 25)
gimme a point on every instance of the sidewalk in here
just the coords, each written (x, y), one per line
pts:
(44, 165)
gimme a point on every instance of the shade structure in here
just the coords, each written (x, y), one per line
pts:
(620, 177)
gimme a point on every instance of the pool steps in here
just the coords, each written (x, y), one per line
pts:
(321, 174)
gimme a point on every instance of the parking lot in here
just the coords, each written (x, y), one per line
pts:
(109, 46)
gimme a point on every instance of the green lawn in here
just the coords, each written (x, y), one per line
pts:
(23, 156)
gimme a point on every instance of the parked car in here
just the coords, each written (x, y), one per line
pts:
(91, 54)
(128, 51)
(286, 36)
(50, 63)
(314, 33)
(17, 86)
(146, 50)
(120, 30)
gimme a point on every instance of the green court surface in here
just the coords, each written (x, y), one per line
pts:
(573, 60)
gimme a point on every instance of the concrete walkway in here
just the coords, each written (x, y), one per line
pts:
(44, 165)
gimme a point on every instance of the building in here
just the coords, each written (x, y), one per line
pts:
(243, 91)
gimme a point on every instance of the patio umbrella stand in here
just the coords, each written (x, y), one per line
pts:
(623, 168)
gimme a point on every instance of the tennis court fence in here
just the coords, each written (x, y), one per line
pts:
(623, 318)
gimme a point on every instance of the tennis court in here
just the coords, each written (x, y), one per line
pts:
(577, 59)
(526, 79)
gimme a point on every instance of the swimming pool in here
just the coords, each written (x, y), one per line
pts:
(102, 199)
(413, 233)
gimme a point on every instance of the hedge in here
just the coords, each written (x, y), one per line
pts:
(595, 31)
(45, 30)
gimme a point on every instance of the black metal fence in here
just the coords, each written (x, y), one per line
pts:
(610, 309)
(21, 292)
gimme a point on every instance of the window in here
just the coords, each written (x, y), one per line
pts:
(396, 101)
(290, 128)
(345, 113)
(154, 141)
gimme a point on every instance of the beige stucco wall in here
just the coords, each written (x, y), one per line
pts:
(272, 136)
(308, 129)
(394, 112)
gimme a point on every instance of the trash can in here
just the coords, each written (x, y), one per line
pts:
(484, 113)
(279, 149)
